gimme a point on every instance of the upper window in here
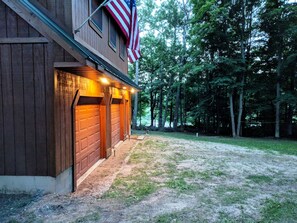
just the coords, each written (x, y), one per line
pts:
(96, 20)
(122, 49)
(112, 35)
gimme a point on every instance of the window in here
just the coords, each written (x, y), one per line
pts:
(112, 35)
(122, 49)
(96, 20)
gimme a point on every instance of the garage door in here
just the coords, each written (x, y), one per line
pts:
(87, 137)
(115, 124)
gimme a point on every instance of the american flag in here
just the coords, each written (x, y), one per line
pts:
(125, 14)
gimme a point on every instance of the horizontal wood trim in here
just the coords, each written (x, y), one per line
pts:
(18, 40)
(67, 64)
(117, 97)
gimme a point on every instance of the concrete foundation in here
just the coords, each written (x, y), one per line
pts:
(62, 184)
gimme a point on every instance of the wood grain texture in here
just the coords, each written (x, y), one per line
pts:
(2, 20)
(49, 80)
(29, 110)
(40, 108)
(8, 110)
(11, 19)
(2, 160)
(23, 27)
(57, 124)
(18, 102)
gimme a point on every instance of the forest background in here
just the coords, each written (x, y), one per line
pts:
(218, 67)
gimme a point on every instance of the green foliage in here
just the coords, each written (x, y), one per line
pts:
(197, 54)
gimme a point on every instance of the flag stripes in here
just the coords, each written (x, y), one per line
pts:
(125, 14)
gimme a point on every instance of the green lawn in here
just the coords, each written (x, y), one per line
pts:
(282, 146)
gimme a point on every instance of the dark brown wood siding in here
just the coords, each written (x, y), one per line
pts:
(27, 99)
(93, 39)
(60, 10)
(11, 25)
(27, 110)
(66, 86)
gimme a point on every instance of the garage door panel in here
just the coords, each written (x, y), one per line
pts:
(87, 137)
(94, 139)
(84, 143)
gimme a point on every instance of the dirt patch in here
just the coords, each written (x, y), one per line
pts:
(169, 180)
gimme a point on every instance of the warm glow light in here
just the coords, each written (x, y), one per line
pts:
(132, 90)
(104, 81)
(124, 88)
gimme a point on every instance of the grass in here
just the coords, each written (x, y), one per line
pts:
(132, 189)
(232, 195)
(179, 184)
(93, 217)
(282, 146)
(260, 179)
(276, 211)
(184, 215)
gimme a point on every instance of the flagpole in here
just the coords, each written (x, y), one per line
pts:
(87, 19)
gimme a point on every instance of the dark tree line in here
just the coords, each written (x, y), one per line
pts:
(219, 67)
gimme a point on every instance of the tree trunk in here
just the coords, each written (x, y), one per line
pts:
(240, 109)
(176, 112)
(181, 113)
(290, 122)
(242, 49)
(277, 103)
(232, 115)
(160, 121)
(171, 115)
(152, 104)
(135, 111)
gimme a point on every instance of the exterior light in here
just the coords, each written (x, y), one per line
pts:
(132, 90)
(104, 81)
(124, 88)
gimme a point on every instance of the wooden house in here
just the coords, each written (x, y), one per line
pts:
(65, 97)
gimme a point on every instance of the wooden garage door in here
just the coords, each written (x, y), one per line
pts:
(87, 137)
(115, 124)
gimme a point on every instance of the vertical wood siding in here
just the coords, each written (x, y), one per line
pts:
(26, 101)
(99, 43)
(58, 9)
(25, 111)
(12, 25)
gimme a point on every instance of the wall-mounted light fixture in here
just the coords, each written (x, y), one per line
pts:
(124, 88)
(132, 90)
(104, 81)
